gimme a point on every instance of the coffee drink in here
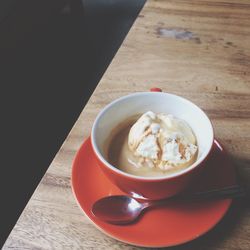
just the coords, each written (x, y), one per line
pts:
(152, 145)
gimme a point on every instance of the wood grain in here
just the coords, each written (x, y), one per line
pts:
(197, 49)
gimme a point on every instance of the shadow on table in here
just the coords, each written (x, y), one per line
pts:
(52, 57)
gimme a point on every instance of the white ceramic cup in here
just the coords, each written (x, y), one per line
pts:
(138, 103)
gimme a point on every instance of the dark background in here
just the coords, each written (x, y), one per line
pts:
(52, 55)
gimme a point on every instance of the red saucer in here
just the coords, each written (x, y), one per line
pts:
(169, 225)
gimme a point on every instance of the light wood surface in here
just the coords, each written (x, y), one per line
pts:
(197, 49)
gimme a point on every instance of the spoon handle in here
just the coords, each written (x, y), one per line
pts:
(229, 192)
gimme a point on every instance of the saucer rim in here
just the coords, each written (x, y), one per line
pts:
(88, 140)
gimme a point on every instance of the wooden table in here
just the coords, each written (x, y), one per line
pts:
(196, 49)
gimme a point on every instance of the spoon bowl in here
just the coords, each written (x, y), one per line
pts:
(118, 209)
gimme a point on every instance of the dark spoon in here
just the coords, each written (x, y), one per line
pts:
(121, 209)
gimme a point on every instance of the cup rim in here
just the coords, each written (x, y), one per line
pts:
(184, 171)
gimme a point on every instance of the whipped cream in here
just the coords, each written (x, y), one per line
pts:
(162, 141)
